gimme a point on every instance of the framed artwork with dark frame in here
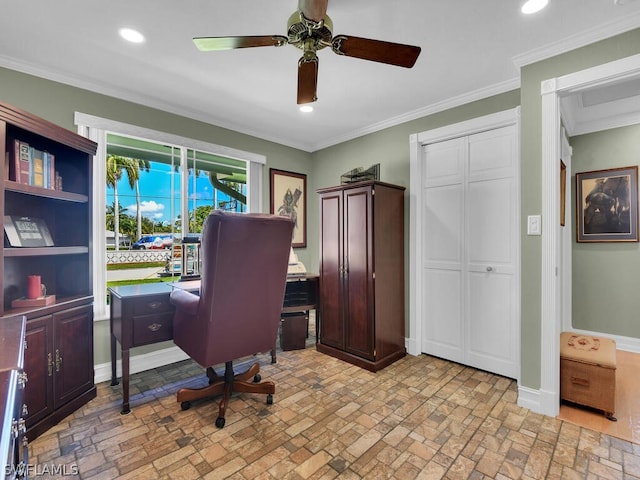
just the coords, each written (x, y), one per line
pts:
(607, 205)
(289, 199)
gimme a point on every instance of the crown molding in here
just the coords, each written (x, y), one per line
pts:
(151, 102)
(448, 104)
(572, 42)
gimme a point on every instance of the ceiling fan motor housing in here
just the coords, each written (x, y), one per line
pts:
(300, 30)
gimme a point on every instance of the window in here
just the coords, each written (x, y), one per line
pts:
(146, 183)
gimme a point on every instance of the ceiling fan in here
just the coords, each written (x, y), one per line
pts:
(310, 29)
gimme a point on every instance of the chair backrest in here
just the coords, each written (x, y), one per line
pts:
(243, 280)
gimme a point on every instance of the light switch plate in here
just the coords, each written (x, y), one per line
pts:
(533, 225)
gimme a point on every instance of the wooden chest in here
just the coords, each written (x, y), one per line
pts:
(588, 371)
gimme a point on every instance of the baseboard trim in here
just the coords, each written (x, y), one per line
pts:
(529, 398)
(140, 363)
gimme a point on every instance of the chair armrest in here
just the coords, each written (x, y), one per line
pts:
(185, 301)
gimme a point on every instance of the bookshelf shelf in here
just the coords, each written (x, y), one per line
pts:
(11, 186)
(44, 251)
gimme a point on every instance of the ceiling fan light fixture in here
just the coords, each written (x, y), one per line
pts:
(306, 108)
(533, 6)
(131, 35)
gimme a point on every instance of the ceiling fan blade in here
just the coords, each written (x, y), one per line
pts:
(376, 50)
(307, 78)
(314, 10)
(207, 44)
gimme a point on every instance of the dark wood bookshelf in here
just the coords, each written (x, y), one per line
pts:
(62, 331)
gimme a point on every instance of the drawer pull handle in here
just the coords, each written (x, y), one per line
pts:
(154, 305)
(22, 379)
(154, 327)
(58, 360)
(583, 382)
(50, 364)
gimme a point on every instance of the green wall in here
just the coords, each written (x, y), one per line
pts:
(390, 148)
(605, 275)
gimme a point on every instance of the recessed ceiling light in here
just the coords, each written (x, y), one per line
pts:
(533, 6)
(131, 35)
(306, 108)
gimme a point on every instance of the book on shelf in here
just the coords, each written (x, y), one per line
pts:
(49, 170)
(33, 302)
(36, 167)
(32, 166)
(21, 162)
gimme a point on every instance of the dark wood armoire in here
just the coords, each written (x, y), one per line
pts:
(362, 297)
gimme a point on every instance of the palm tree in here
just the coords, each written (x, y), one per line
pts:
(145, 166)
(115, 166)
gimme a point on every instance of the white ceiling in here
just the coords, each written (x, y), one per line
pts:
(470, 49)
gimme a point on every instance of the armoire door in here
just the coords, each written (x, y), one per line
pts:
(358, 265)
(470, 250)
(331, 270)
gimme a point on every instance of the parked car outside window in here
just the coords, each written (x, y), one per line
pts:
(148, 242)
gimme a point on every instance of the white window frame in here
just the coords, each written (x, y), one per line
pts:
(96, 129)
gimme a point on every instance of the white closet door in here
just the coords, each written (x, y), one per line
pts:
(470, 251)
(443, 262)
(492, 324)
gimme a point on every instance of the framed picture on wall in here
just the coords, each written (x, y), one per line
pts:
(289, 198)
(607, 205)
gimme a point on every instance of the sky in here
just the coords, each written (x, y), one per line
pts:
(155, 193)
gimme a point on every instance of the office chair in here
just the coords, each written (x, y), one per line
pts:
(237, 314)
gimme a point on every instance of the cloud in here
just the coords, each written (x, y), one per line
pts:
(148, 208)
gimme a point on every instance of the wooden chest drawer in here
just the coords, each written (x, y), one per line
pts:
(152, 304)
(152, 328)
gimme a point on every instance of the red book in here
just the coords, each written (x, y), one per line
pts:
(21, 160)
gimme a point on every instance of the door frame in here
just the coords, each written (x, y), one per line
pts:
(416, 200)
(548, 401)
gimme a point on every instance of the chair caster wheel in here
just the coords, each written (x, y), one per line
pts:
(185, 405)
(257, 378)
(269, 399)
(220, 422)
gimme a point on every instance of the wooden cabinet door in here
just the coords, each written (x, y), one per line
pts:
(73, 353)
(38, 364)
(358, 278)
(331, 270)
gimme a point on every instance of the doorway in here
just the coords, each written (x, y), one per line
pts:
(556, 96)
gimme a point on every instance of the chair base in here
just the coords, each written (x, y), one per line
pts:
(225, 386)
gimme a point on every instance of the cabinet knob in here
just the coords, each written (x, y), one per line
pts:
(489, 269)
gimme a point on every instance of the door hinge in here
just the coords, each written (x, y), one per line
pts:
(374, 275)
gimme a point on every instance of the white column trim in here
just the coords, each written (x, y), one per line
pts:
(550, 304)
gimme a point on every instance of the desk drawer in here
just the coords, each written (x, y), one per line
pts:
(152, 304)
(152, 328)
